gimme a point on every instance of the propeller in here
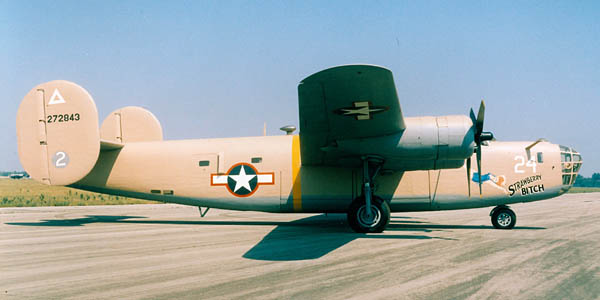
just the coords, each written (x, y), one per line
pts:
(479, 136)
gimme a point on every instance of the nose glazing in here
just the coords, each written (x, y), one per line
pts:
(571, 164)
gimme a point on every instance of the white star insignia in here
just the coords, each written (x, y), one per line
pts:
(242, 180)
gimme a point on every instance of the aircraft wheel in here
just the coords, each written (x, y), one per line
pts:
(504, 218)
(361, 223)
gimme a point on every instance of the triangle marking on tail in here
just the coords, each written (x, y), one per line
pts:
(56, 98)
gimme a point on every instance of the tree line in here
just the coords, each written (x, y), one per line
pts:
(593, 181)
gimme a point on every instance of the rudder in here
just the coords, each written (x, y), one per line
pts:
(57, 132)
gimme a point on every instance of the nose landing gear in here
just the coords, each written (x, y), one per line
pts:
(503, 217)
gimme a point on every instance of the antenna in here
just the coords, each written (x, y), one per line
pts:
(289, 129)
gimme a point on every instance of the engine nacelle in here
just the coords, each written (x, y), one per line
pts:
(426, 143)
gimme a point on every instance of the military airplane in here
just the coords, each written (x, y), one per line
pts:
(355, 153)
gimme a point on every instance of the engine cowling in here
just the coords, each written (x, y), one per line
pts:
(426, 143)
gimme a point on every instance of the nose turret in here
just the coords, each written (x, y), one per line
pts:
(571, 164)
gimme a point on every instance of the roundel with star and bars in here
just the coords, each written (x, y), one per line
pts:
(242, 179)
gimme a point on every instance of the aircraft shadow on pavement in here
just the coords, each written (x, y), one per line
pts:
(312, 238)
(77, 221)
(307, 238)
(316, 236)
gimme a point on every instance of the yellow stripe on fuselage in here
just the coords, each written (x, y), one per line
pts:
(296, 187)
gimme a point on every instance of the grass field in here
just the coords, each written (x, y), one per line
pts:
(575, 190)
(28, 192)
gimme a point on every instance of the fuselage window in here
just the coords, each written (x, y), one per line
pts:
(540, 157)
(256, 160)
(204, 163)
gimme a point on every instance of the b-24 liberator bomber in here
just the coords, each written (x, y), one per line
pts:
(355, 153)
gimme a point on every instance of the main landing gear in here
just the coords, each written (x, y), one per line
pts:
(503, 217)
(369, 213)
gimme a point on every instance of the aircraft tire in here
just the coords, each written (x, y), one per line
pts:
(357, 215)
(504, 218)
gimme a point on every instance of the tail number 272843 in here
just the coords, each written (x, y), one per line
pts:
(63, 118)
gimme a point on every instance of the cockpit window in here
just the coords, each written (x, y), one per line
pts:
(564, 149)
(540, 157)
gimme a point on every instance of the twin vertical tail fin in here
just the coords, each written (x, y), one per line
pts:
(57, 133)
(58, 136)
(130, 124)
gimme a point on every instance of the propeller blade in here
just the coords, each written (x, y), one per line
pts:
(473, 118)
(480, 116)
(469, 175)
(479, 168)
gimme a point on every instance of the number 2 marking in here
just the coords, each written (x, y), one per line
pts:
(60, 163)
(60, 159)
(530, 163)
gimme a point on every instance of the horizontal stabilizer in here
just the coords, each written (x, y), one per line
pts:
(109, 145)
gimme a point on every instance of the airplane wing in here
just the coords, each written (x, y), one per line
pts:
(346, 102)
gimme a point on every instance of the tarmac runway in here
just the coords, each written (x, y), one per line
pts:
(168, 251)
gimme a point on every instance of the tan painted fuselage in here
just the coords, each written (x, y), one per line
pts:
(189, 171)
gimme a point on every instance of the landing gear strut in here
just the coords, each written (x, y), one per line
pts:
(503, 217)
(369, 213)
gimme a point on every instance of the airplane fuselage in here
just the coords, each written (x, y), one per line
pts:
(266, 174)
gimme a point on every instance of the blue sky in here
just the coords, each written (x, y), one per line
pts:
(223, 68)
